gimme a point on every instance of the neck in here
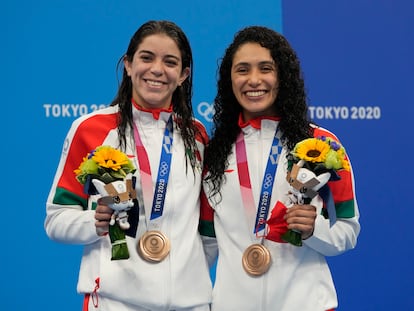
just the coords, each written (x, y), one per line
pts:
(154, 110)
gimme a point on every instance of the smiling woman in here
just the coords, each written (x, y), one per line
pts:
(254, 80)
(156, 70)
(151, 122)
(265, 229)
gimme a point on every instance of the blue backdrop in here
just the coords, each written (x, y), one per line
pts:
(359, 54)
(59, 61)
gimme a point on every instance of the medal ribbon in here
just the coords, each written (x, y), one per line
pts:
(267, 184)
(160, 191)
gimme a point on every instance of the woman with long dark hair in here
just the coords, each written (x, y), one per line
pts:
(271, 245)
(151, 121)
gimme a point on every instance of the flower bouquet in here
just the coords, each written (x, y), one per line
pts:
(108, 171)
(311, 164)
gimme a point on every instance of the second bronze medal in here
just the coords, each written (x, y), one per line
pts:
(256, 260)
(153, 246)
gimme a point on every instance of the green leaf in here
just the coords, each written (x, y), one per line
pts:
(120, 174)
(118, 241)
(106, 178)
(292, 237)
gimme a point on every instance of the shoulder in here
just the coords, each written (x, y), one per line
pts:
(320, 131)
(92, 128)
(101, 117)
(96, 121)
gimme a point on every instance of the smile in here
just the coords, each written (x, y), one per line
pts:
(154, 83)
(255, 93)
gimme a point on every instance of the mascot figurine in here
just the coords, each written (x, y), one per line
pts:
(305, 183)
(304, 187)
(119, 196)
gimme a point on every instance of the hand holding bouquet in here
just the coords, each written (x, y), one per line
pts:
(108, 171)
(311, 164)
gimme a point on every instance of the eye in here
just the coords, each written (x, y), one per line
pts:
(116, 199)
(171, 62)
(146, 58)
(267, 68)
(242, 69)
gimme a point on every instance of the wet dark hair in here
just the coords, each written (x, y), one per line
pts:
(290, 104)
(182, 96)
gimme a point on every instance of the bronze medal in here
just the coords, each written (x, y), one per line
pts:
(256, 260)
(153, 246)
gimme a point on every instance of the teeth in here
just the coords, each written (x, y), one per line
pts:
(155, 83)
(255, 93)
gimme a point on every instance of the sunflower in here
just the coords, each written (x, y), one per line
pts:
(110, 158)
(321, 153)
(311, 150)
(105, 163)
(88, 166)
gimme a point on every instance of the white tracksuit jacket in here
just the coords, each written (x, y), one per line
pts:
(182, 279)
(299, 278)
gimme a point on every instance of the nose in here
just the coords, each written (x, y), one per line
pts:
(254, 78)
(157, 67)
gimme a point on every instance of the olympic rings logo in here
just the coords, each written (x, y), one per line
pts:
(163, 168)
(206, 110)
(267, 181)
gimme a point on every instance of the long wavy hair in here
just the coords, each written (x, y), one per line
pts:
(290, 104)
(182, 96)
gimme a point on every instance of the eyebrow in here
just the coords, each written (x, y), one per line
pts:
(152, 53)
(266, 62)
